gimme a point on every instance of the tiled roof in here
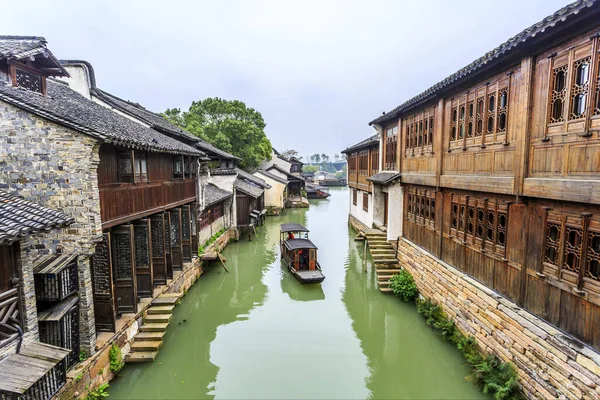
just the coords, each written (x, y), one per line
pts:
(272, 176)
(210, 150)
(223, 171)
(383, 177)
(20, 218)
(370, 141)
(214, 194)
(512, 45)
(67, 107)
(283, 171)
(254, 179)
(248, 188)
(139, 112)
(20, 47)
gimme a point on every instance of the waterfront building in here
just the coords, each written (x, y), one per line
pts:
(496, 211)
(289, 170)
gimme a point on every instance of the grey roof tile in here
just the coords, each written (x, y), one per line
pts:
(288, 174)
(20, 218)
(254, 179)
(67, 107)
(214, 194)
(272, 176)
(248, 188)
(368, 142)
(383, 177)
(21, 47)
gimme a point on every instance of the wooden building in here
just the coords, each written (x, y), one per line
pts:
(497, 170)
(363, 162)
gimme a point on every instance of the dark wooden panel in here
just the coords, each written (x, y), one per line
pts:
(176, 249)
(102, 278)
(159, 261)
(143, 258)
(123, 255)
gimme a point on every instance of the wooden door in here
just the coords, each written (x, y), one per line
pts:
(296, 260)
(194, 225)
(143, 257)
(186, 233)
(176, 249)
(242, 209)
(123, 256)
(102, 282)
(312, 259)
(159, 258)
(385, 209)
(8, 266)
(10, 304)
(168, 254)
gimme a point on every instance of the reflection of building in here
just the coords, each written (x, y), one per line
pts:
(495, 171)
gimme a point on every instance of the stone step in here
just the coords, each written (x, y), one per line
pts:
(386, 290)
(385, 277)
(383, 285)
(389, 271)
(161, 309)
(381, 260)
(166, 299)
(383, 252)
(381, 246)
(157, 318)
(377, 241)
(156, 327)
(141, 356)
(149, 336)
(377, 236)
(145, 346)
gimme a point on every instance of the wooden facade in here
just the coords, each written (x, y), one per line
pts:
(362, 163)
(501, 178)
(148, 208)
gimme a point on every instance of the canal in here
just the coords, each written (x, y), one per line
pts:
(257, 333)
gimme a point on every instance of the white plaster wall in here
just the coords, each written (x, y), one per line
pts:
(378, 205)
(357, 210)
(79, 80)
(273, 196)
(225, 182)
(395, 207)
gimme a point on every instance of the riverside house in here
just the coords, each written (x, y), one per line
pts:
(495, 176)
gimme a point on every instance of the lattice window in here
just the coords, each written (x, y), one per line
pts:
(454, 216)
(363, 162)
(581, 86)
(480, 223)
(453, 124)
(354, 196)
(430, 132)
(558, 94)
(471, 220)
(365, 204)
(175, 229)
(390, 148)
(470, 119)
(100, 267)
(125, 166)
(185, 226)
(461, 122)
(597, 100)
(502, 110)
(157, 238)
(122, 250)
(167, 231)
(421, 207)
(140, 167)
(552, 246)
(491, 112)
(479, 116)
(501, 229)
(29, 80)
(177, 167)
(375, 161)
(193, 222)
(572, 252)
(142, 256)
(593, 256)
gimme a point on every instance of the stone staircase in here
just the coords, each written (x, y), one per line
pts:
(150, 337)
(384, 258)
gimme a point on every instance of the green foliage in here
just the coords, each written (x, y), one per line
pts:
(229, 125)
(79, 377)
(211, 240)
(116, 359)
(492, 375)
(403, 286)
(99, 393)
(82, 356)
(309, 168)
(289, 153)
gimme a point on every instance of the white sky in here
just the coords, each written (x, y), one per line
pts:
(318, 71)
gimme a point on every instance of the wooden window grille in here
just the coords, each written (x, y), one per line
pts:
(374, 161)
(140, 166)
(125, 168)
(597, 95)
(552, 246)
(391, 141)
(363, 160)
(558, 94)
(59, 326)
(479, 117)
(491, 112)
(593, 256)
(185, 226)
(122, 252)
(186, 167)
(421, 207)
(365, 204)
(178, 167)
(142, 254)
(28, 80)
(470, 119)
(572, 247)
(461, 122)
(157, 237)
(354, 196)
(502, 110)
(453, 124)
(193, 166)
(55, 277)
(580, 87)
(175, 229)
(419, 131)
(352, 164)
(205, 218)
(193, 222)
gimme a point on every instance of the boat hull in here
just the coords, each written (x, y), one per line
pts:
(306, 277)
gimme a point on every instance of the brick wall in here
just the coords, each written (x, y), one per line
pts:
(550, 363)
(56, 167)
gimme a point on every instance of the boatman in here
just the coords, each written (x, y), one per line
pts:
(290, 236)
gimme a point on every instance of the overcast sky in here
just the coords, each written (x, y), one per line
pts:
(318, 71)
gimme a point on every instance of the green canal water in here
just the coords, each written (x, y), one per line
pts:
(257, 333)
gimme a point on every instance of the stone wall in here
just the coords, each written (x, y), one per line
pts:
(550, 363)
(57, 167)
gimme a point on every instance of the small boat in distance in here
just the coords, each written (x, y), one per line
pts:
(299, 254)
(316, 192)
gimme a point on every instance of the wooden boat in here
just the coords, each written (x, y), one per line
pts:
(317, 192)
(299, 254)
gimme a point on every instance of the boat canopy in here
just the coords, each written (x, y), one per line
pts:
(293, 228)
(295, 244)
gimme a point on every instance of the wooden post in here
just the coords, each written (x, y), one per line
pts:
(222, 262)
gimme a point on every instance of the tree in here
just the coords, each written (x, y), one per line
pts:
(316, 158)
(325, 158)
(229, 125)
(309, 168)
(289, 153)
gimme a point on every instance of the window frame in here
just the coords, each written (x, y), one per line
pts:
(421, 207)
(365, 202)
(354, 197)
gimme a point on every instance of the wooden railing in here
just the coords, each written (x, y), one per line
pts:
(9, 316)
(117, 202)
